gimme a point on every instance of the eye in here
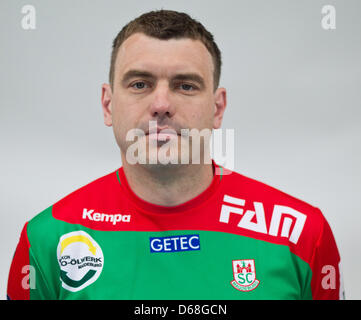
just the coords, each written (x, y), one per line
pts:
(139, 85)
(187, 87)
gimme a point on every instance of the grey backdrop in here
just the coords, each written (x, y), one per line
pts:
(293, 99)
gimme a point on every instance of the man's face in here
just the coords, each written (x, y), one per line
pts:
(167, 81)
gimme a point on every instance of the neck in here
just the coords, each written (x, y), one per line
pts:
(168, 185)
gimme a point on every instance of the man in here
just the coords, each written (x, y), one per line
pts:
(176, 229)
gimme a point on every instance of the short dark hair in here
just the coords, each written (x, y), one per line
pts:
(168, 24)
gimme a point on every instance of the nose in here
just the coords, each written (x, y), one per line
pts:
(161, 105)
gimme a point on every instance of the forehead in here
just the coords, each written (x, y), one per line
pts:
(164, 57)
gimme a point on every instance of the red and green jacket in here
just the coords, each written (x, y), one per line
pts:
(238, 239)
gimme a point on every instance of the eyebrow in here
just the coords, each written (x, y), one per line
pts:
(178, 77)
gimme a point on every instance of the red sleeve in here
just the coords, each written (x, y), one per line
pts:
(18, 282)
(327, 282)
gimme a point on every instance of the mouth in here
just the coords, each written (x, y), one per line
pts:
(162, 134)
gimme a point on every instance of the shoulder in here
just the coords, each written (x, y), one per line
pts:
(256, 191)
(276, 216)
(95, 194)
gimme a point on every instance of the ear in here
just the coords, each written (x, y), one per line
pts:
(219, 107)
(106, 100)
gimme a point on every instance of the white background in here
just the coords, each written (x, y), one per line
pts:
(294, 102)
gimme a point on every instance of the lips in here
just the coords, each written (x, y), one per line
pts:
(162, 134)
(164, 130)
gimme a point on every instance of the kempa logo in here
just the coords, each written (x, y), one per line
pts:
(80, 260)
(113, 218)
